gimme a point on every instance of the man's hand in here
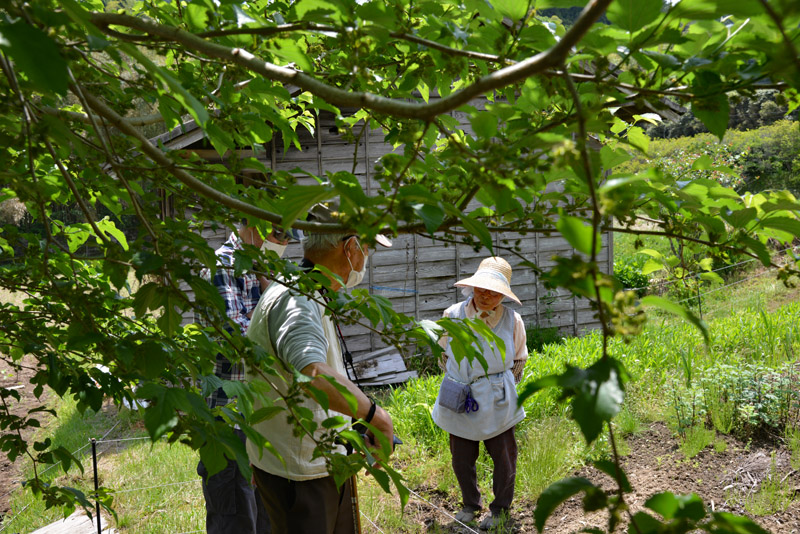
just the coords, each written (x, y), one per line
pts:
(382, 422)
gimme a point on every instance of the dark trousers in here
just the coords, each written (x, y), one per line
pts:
(503, 450)
(232, 505)
(306, 507)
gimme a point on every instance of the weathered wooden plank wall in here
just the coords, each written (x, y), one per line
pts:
(417, 274)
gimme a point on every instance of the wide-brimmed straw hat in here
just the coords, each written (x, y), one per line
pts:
(493, 274)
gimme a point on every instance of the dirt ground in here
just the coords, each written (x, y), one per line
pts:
(654, 464)
(10, 476)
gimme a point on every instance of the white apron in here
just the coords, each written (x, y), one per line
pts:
(495, 392)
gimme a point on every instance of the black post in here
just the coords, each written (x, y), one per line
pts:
(96, 486)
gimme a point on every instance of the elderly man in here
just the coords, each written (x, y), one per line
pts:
(299, 494)
(232, 505)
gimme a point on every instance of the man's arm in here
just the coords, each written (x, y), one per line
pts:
(296, 330)
(381, 420)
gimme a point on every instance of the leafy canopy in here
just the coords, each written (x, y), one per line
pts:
(85, 82)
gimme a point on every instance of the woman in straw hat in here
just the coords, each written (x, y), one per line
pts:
(477, 404)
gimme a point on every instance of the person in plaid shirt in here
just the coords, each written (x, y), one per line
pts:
(232, 506)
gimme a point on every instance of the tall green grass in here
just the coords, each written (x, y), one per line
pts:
(669, 355)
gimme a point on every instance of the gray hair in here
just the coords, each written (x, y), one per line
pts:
(315, 243)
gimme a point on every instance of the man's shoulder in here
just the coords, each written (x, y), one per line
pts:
(282, 295)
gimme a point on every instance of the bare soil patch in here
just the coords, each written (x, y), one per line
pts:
(654, 464)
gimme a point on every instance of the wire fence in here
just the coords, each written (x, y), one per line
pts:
(442, 511)
(697, 274)
(109, 444)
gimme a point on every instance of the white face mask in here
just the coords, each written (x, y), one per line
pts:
(355, 277)
(275, 247)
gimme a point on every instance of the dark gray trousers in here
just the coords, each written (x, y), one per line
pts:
(308, 506)
(503, 451)
(232, 505)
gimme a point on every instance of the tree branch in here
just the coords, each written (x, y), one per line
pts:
(537, 64)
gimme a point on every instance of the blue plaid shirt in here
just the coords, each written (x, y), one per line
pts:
(241, 295)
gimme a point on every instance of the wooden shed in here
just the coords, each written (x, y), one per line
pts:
(417, 274)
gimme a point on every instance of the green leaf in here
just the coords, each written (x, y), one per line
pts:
(714, 112)
(431, 216)
(36, 55)
(727, 523)
(598, 397)
(785, 224)
(672, 506)
(702, 163)
(739, 218)
(611, 157)
(170, 319)
(478, 229)
(638, 139)
(578, 234)
(197, 17)
(542, 4)
(379, 13)
(161, 416)
(611, 469)
(107, 225)
(632, 15)
(484, 124)
(513, 9)
(298, 200)
(219, 138)
(676, 309)
(651, 266)
(758, 248)
(554, 495)
(644, 523)
(193, 106)
(289, 50)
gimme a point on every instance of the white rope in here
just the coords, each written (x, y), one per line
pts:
(725, 287)
(371, 522)
(443, 511)
(16, 516)
(121, 440)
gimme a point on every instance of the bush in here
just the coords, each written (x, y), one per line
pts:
(629, 273)
(538, 337)
(755, 160)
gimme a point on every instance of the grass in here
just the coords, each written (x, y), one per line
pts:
(669, 351)
(131, 467)
(774, 494)
(695, 439)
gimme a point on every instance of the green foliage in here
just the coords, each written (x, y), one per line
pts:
(537, 337)
(775, 494)
(79, 77)
(630, 276)
(756, 160)
(747, 112)
(695, 439)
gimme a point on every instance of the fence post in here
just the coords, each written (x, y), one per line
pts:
(96, 486)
